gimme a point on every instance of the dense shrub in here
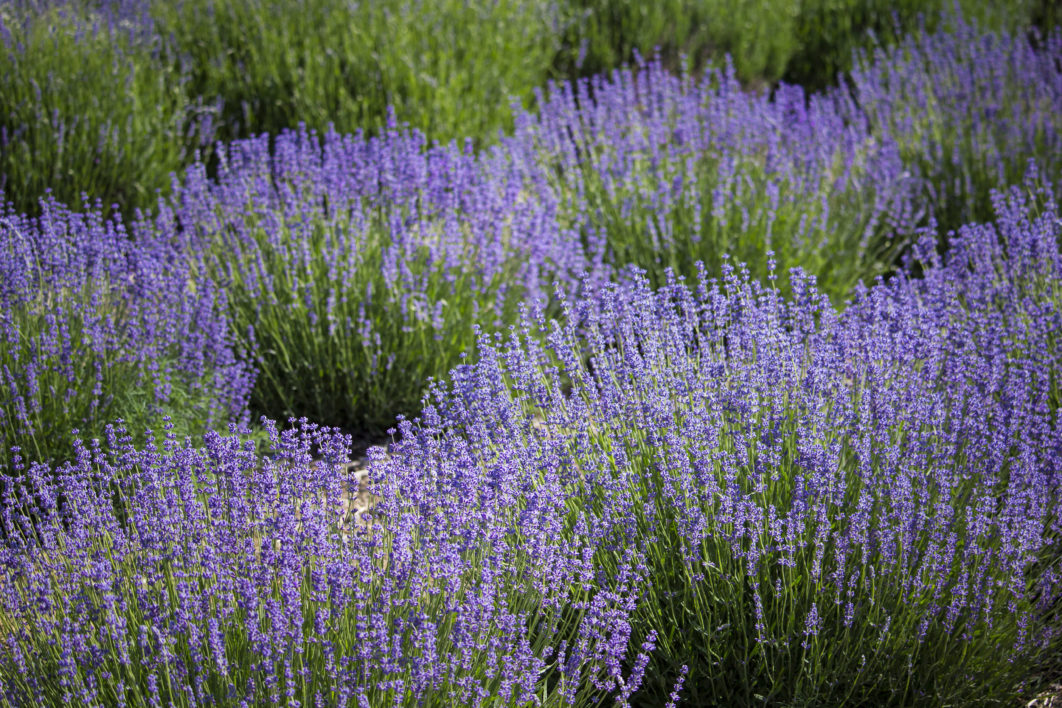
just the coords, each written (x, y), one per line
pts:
(95, 329)
(968, 108)
(448, 67)
(182, 576)
(357, 268)
(603, 35)
(662, 171)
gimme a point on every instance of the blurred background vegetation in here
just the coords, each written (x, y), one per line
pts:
(108, 98)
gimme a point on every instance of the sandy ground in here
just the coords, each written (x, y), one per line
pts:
(1051, 698)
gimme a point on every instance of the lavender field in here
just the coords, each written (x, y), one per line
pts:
(680, 390)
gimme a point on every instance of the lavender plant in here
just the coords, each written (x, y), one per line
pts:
(664, 171)
(825, 508)
(1019, 307)
(184, 576)
(967, 107)
(355, 268)
(96, 329)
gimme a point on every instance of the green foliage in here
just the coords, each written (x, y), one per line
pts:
(449, 68)
(601, 35)
(830, 32)
(86, 107)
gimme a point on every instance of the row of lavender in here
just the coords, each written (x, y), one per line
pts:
(706, 492)
(333, 276)
(717, 488)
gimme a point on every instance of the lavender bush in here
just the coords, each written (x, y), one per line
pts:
(95, 328)
(356, 267)
(187, 576)
(827, 508)
(708, 491)
(664, 171)
(967, 108)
